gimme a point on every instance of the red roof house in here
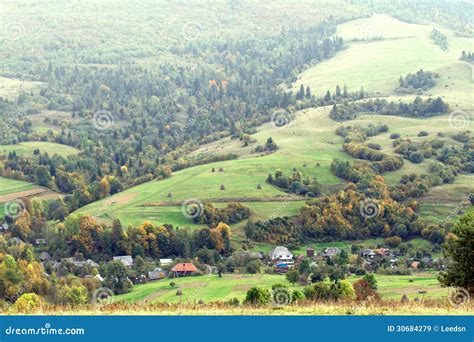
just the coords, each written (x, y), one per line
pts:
(183, 269)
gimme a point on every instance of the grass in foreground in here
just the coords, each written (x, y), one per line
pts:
(221, 309)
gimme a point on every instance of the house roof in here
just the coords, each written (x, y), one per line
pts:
(184, 267)
(331, 251)
(281, 251)
(126, 260)
(165, 261)
(44, 256)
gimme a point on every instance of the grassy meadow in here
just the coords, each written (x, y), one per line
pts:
(401, 48)
(27, 148)
(212, 288)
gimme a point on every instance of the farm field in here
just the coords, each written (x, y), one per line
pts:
(212, 288)
(27, 148)
(11, 189)
(8, 186)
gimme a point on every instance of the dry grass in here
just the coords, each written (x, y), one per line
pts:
(434, 307)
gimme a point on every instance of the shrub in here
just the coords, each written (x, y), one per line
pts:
(297, 296)
(233, 301)
(346, 290)
(253, 267)
(416, 157)
(374, 146)
(363, 290)
(278, 286)
(258, 296)
(27, 302)
(360, 272)
(309, 292)
(393, 241)
(370, 278)
(423, 134)
(394, 136)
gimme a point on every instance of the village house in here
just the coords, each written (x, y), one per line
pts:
(183, 269)
(44, 256)
(368, 253)
(165, 262)
(156, 274)
(383, 252)
(126, 260)
(282, 255)
(82, 263)
(330, 252)
(282, 268)
(4, 228)
(39, 242)
(310, 252)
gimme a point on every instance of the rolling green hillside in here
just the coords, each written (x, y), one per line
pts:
(308, 142)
